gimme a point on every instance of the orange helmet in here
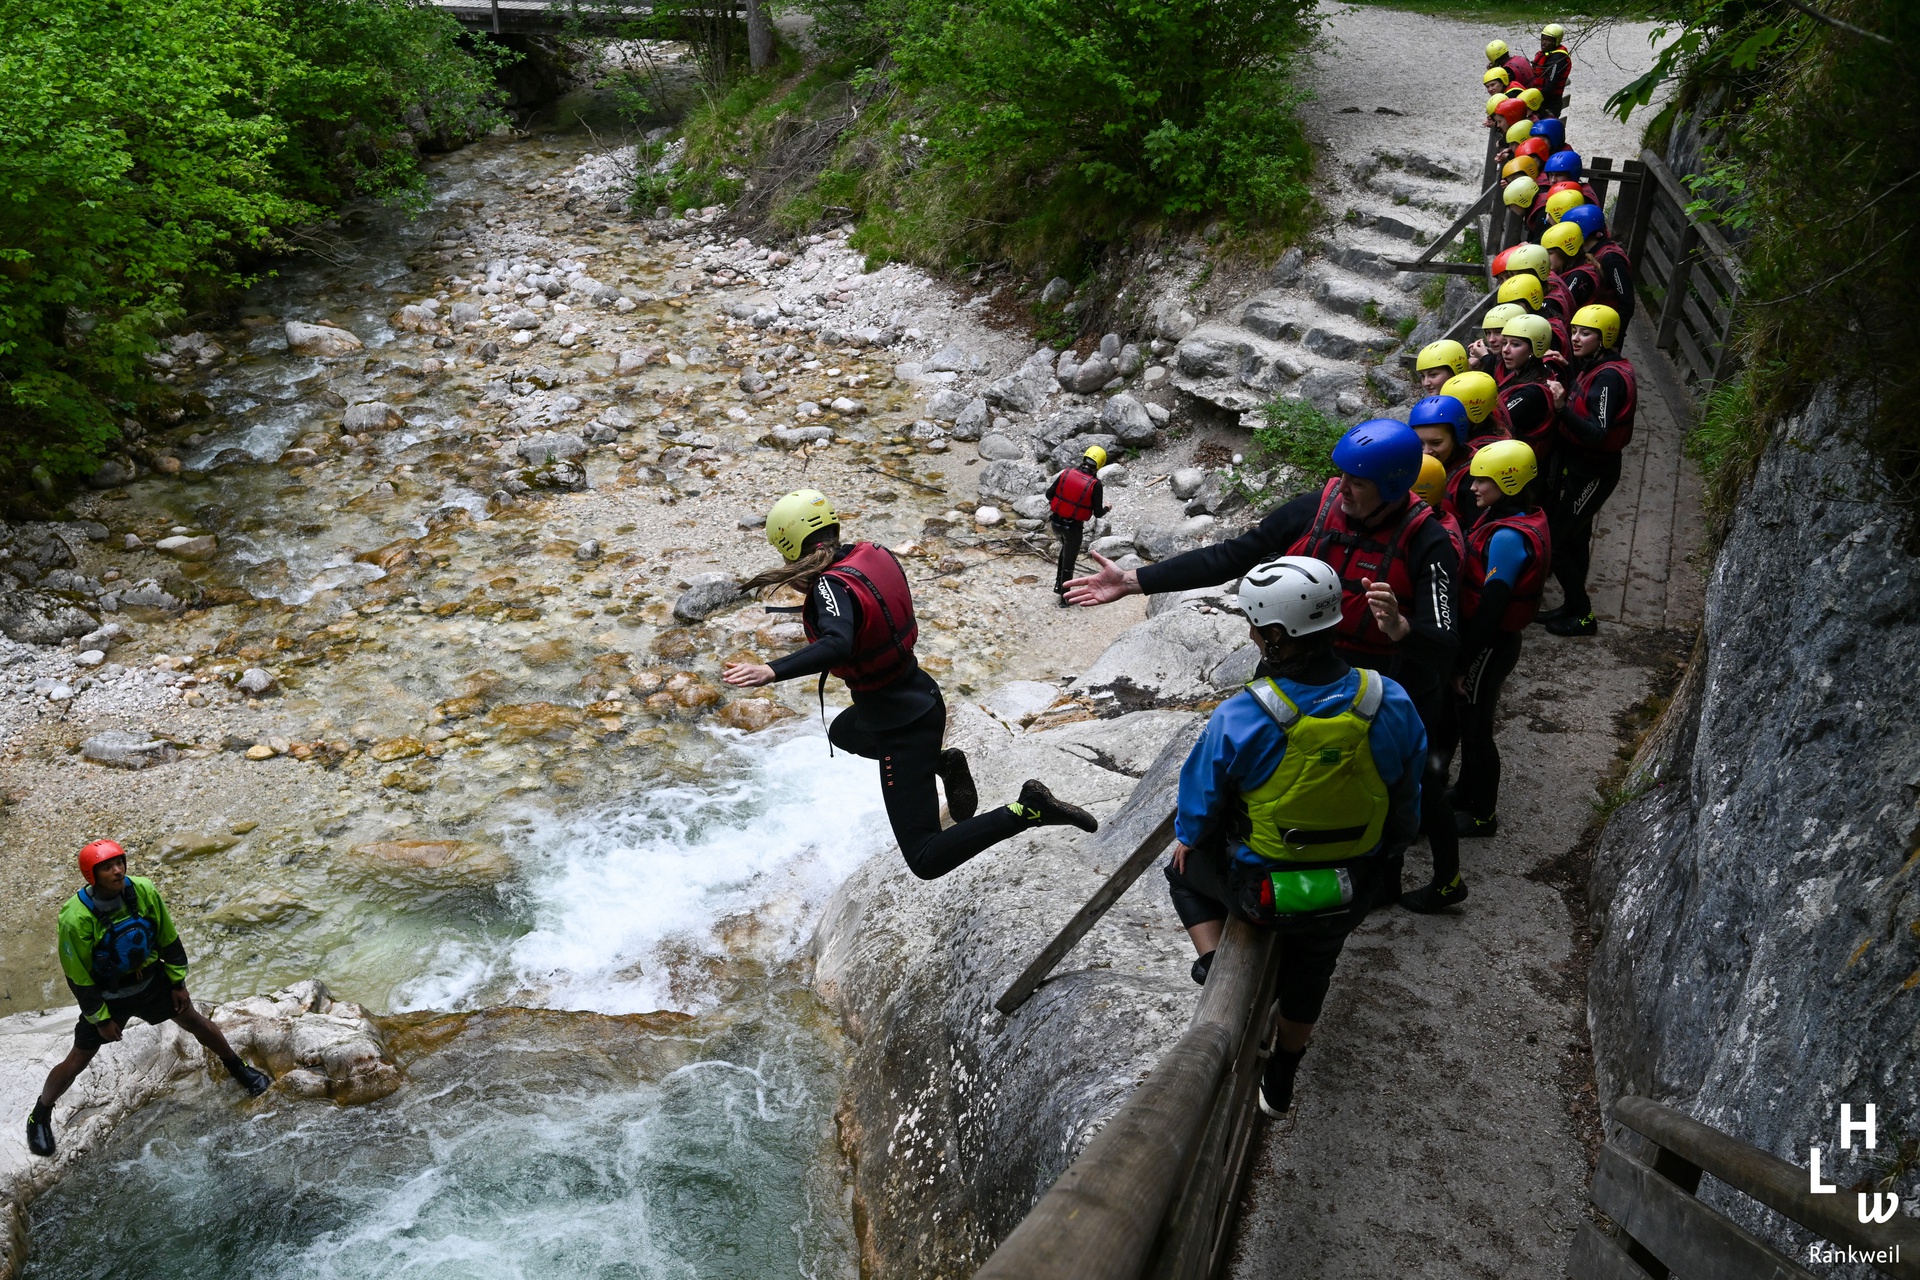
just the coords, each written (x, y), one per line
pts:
(97, 852)
(1534, 146)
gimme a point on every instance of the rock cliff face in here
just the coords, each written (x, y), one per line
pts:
(1758, 905)
(958, 1117)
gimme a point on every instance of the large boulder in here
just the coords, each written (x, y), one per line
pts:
(1171, 659)
(320, 340)
(1127, 419)
(1208, 358)
(33, 617)
(1014, 393)
(706, 593)
(1007, 480)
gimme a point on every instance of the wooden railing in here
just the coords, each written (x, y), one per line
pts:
(1664, 1229)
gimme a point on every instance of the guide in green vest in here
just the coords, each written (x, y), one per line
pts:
(124, 960)
(1300, 788)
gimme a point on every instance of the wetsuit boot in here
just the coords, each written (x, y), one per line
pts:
(40, 1129)
(963, 798)
(1202, 967)
(1435, 897)
(1276, 1082)
(1583, 625)
(1472, 828)
(1037, 805)
(252, 1079)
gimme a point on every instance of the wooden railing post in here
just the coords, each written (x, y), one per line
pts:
(1599, 172)
(1639, 217)
(496, 16)
(1674, 308)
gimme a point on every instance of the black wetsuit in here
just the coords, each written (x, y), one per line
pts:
(902, 725)
(1583, 476)
(1422, 663)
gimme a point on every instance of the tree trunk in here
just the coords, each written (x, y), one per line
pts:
(759, 35)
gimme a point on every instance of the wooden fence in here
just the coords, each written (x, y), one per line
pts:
(1664, 1229)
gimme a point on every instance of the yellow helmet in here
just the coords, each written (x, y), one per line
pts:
(796, 516)
(1560, 201)
(1445, 353)
(1567, 237)
(1553, 31)
(1475, 390)
(1519, 131)
(1496, 75)
(1529, 165)
(1497, 318)
(1530, 258)
(1522, 288)
(1496, 50)
(1508, 463)
(1493, 103)
(1432, 484)
(1533, 98)
(1520, 193)
(1534, 329)
(1604, 319)
(1098, 455)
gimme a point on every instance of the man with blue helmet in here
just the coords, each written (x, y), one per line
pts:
(1397, 567)
(1567, 166)
(1446, 433)
(1555, 133)
(1609, 257)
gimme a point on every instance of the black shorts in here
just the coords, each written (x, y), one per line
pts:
(154, 1005)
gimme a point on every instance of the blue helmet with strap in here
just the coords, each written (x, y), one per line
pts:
(1383, 451)
(1554, 131)
(1588, 218)
(1440, 411)
(1567, 162)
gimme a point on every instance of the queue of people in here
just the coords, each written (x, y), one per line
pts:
(1388, 607)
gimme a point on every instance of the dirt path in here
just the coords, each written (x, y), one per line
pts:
(1444, 1109)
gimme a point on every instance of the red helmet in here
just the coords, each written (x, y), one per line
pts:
(1512, 111)
(1534, 147)
(1499, 264)
(97, 852)
(1558, 187)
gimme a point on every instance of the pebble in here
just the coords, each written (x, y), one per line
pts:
(987, 517)
(260, 751)
(91, 658)
(256, 681)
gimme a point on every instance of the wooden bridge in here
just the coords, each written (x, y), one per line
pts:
(539, 18)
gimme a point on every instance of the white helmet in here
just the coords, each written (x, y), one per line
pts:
(1298, 593)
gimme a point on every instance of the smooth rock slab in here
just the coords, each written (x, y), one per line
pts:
(320, 340)
(124, 749)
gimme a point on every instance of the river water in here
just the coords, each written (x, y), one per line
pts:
(614, 1064)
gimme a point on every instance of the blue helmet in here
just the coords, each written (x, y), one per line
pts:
(1554, 131)
(1383, 451)
(1567, 162)
(1588, 218)
(1440, 411)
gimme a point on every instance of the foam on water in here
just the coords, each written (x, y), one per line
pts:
(616, 894)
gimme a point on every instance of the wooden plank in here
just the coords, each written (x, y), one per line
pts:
(1596, 1257)
(1776, 1184)
(1723, 365)
(1676, 289)
(1703, 316)
(1699, 363)
(1689, 1236)
(1477, 270)
(1599, 174)
(1640, 214)
(1137, 833)
(1440, 241)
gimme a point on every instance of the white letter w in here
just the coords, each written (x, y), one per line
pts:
(1885, 1204)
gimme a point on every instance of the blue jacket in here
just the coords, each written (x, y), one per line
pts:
(1242, 746)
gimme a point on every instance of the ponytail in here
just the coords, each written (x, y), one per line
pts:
(819, 551)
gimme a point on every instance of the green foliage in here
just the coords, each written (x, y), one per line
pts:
(1297, 435)
(1048, 126)
(153, 151)
(1810, 168)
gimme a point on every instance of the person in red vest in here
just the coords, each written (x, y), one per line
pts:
(1397, 567)
(1437, 362)
(1565, 244)
(1519, 70)
(860, 627)
(1442, 424)
(1595, 424)
(1553, 68)
(1556, 304)
(1509, 552)
(1075, 497)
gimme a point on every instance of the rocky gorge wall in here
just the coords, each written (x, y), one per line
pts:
(1756, 905)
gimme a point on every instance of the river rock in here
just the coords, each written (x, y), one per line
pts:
(1019, 700)
(948, 404)
(1186, 482)
(1129, 361)
(1217, 496)
(31, 617)
(1128, 420)
(110, 474)
(439, 863)
(987, 517)
(374, 415)
(1752, 898)
(320, 340)
(1013, 393)
(522, 319)
(750, 715)
(1208, 358)
(971, 422)
(957, 1116)
(539, 450)
(125, 749)
(752, 381)
(1096, 372)
(1007, 480)
(256, 681)
(954, 358)
(706, 594)
(1069, 453)
(794, 438)
(1158, 541)
(999, 448)
(1056, 292)
(198, 547)
(1173, 658)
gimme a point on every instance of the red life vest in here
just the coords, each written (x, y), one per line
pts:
(1519, 71)
(1603, 252)
(1073, 495)
(883, 644)
(1557, 302)
(1452, 526)
(1584, 269)
(1621, 432)
(1379, 555)
(1525, 601)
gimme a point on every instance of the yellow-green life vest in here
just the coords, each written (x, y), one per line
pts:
(1326, 801)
